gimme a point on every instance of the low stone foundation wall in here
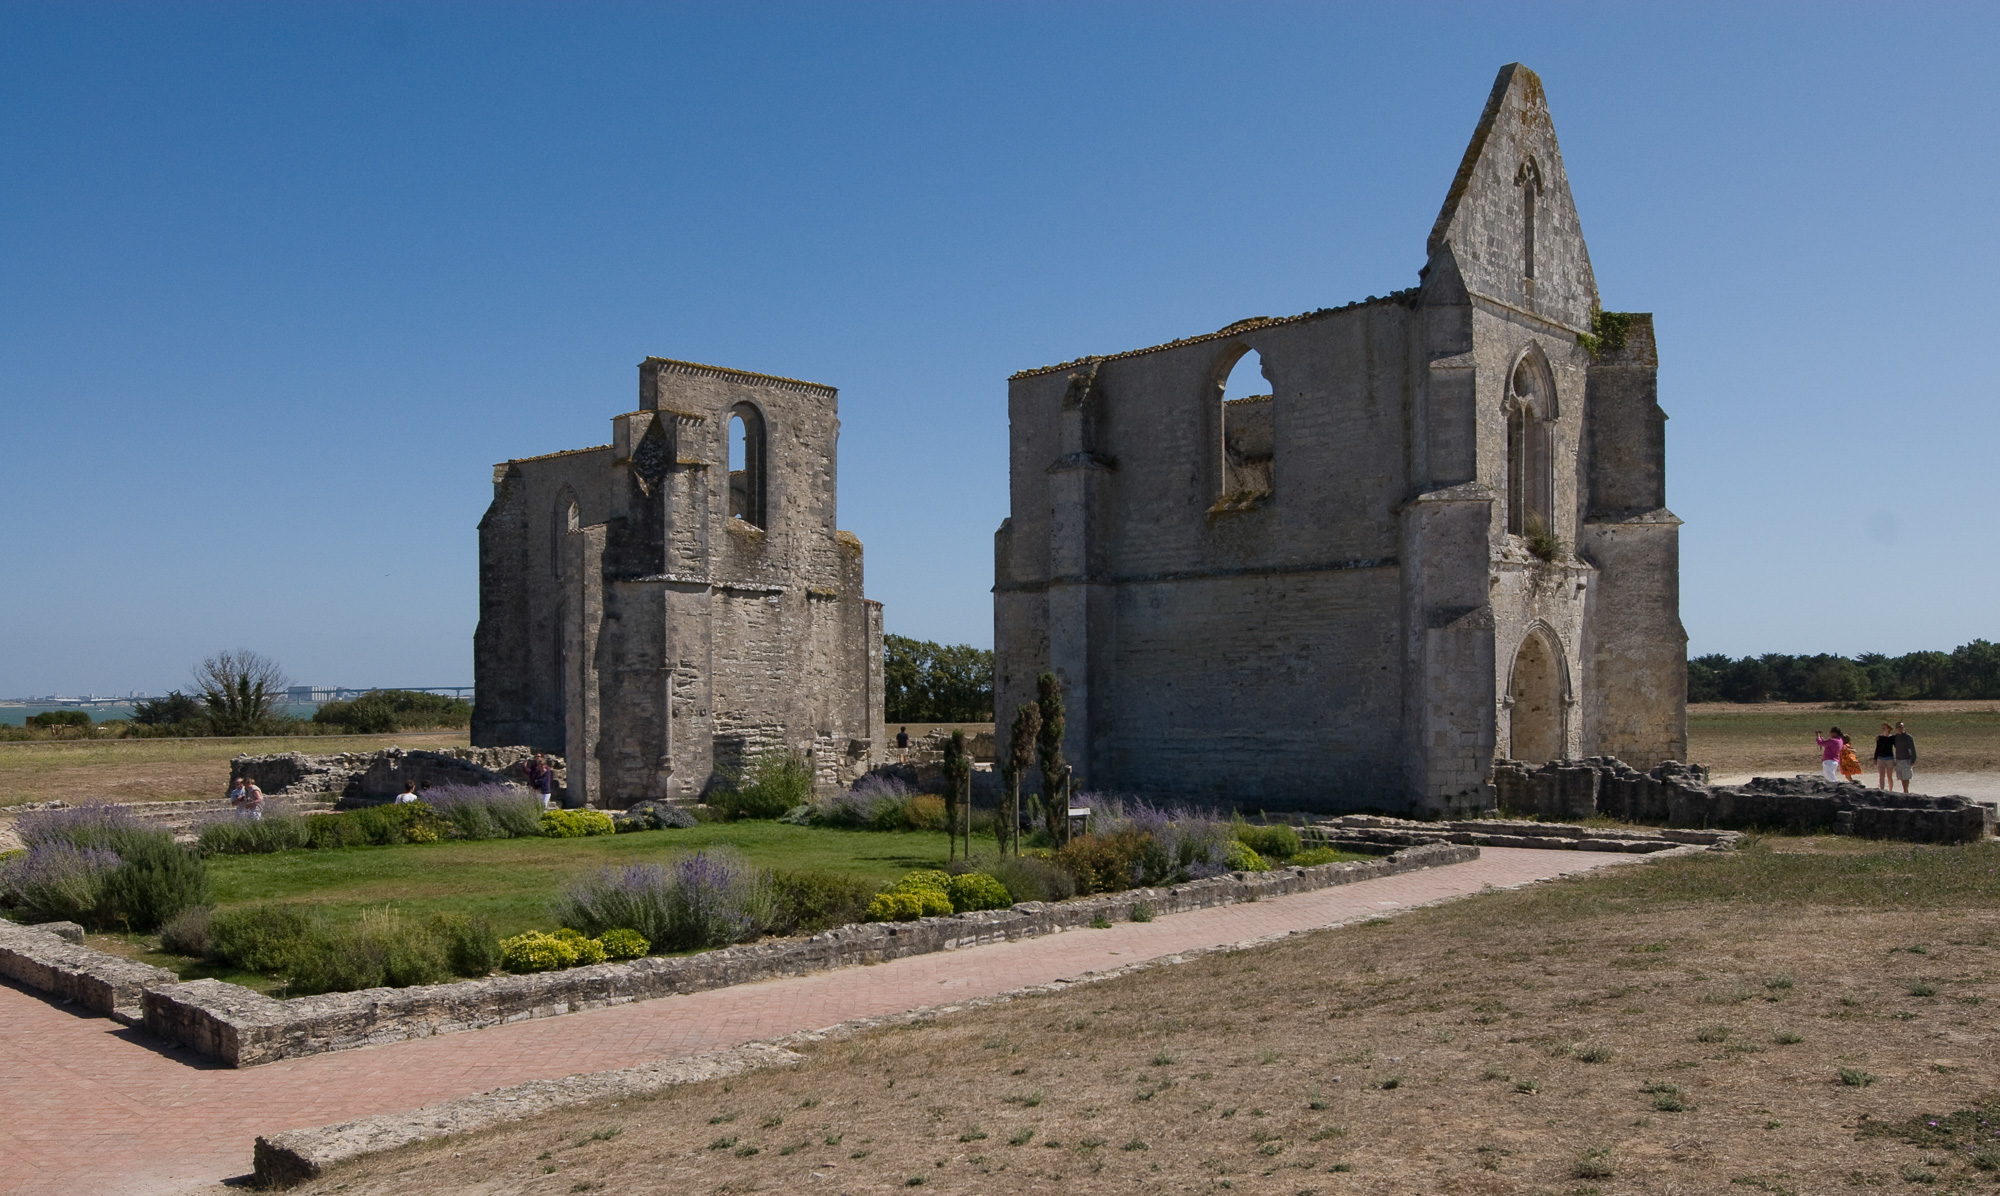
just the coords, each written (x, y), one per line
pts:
(1363, 832)
(96, 980)
(358, 776)
(1679, 795)
(243, 1028)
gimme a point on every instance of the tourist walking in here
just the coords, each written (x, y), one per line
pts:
(408, 795)
(903, 746)
(1829, 753)
(1906, 756)
(1850, 764)
(541, 778)
(1885, 756)
(247, 800)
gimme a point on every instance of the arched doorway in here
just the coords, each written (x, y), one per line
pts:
(1535, 701)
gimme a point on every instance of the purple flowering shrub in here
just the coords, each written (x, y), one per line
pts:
(488, 811)
(55, 881)
(1176, 843)
(697, 899)
(107, 826)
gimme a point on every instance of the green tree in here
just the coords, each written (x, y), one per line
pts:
(175, 710)
(957, 797)
(1020, 757)
(1048, 747)
(241, 690)
(926, 682)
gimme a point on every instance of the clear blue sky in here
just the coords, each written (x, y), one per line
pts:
(280, 282)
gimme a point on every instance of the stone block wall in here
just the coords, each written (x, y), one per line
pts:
(243, 1028)
(1679, 795)
(359, 776)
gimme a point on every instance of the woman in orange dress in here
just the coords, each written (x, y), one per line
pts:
(1850, 764)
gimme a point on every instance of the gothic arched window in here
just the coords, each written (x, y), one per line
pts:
(1529, 179)
(746, 464)
(1531, 438)
(1248, 437)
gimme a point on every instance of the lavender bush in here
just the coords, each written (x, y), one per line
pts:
(876, 802)
(488, 811)
(697, 899)
(106, 826)
(57, 881)
(1184, 843)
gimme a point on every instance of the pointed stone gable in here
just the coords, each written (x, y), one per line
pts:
(1513, 173)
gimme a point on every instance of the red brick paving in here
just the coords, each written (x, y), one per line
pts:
(89, 1106)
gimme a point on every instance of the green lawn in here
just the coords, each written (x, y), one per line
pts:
(511, 881)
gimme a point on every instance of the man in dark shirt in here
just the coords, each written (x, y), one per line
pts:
(1906, 756)
(903, 745)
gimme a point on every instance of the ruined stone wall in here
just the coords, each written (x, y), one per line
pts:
(1188, 623)
(1429, 581)
(661, 638)
(358, 776)
(1679, 795)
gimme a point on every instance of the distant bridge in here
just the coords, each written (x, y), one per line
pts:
(341, 693)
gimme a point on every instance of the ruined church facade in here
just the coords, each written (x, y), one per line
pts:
(1440, 539)
(665, 609)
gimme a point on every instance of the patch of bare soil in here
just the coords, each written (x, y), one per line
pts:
(142, 770)
(1565, 1039)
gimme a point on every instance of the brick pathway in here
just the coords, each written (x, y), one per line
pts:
(89, 1106)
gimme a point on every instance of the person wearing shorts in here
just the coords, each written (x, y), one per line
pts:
(1829, 753)
(1885, 756)
(1906, 756)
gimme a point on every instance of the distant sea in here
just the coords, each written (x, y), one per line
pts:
(14, 716)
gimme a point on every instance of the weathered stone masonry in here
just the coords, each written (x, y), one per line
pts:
(1330, 599)
(660, 615)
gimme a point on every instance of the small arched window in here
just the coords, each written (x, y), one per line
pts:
(1529, 179)
(1531, 414)
(1249, 441)
(564, 519)
(746, 464)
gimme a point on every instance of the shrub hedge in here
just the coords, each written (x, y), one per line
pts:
(314, 954)
(575, 824)
(98, 866)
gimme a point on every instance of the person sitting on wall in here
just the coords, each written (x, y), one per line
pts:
(408, 795)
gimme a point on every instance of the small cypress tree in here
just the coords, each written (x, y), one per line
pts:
(1048, 746)
(1020, 757)
(957, 781)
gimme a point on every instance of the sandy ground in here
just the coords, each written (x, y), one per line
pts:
(1936, 784)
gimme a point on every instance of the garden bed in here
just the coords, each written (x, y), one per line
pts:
(242, 1028)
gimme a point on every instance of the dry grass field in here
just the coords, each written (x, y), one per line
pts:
(1777, 737)
(130, 770)
(1789, 1019)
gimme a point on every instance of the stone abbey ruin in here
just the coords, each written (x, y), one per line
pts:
(1431, 571)
(666, 608)
(1441, 539)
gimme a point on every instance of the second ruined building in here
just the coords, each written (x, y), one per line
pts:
(1441, 538)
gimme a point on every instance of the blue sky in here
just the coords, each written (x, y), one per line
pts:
(279, 283)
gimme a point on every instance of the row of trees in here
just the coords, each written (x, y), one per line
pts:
(1970, 671)
(243, 692)
(936, 683)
